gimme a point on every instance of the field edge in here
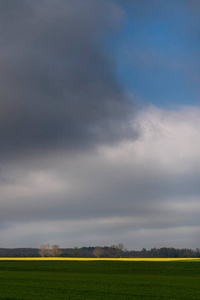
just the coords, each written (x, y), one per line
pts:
(93, 259)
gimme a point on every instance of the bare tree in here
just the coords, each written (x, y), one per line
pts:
(44, 250)
(98, 251)
(116, 250)
(55, 251)
(48, 250)
(112, 251)
(120, 249)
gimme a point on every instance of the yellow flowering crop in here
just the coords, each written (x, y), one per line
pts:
(93, 259)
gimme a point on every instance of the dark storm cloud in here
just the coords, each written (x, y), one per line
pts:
(58, 86)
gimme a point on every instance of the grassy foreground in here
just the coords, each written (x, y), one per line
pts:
(20, 280)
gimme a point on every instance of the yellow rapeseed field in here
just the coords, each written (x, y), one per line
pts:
(94, 259)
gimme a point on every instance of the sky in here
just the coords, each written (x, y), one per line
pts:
(100, 123)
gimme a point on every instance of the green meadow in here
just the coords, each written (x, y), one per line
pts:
(20, 280)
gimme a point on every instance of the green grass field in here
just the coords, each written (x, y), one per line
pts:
(99, 280)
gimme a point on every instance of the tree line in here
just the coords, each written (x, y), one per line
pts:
(47, 250)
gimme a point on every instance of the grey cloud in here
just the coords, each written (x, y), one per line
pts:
(92, 189)
(58, 84)
(99, 201)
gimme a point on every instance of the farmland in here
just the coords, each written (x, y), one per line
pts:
(46, 279)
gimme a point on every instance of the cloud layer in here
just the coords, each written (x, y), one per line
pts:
(141, 192)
